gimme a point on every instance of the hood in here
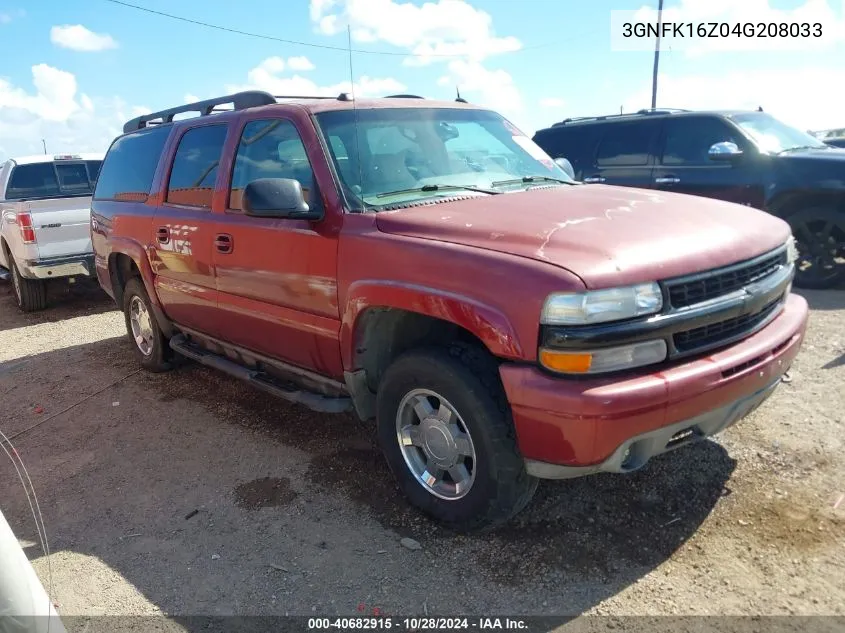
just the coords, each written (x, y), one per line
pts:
(831, 154)
(608, 236)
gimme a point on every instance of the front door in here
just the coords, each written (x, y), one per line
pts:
(183, 228)
(685, 166)
(277, 278)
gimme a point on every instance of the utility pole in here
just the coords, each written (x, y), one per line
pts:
(44, 143)
(656, 56)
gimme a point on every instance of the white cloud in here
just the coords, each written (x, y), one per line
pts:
(791, 95)
(78, 38)
(191, 98)
(552, 102)
(300, 63)
(430, 31)
(53, 110)
(492, 88)
(5, 18)
(262, 77)
(272, 65)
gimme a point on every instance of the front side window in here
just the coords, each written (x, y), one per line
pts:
(688, 140)
(774, 136)
(270, 148)
(194, 170)
(390, 156)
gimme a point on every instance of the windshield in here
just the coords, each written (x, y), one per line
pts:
(53, 180)
(408, 154)
(775, 136)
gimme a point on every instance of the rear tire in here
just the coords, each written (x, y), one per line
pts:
(151, 347)
(820, 238)
(31, 294)
(464, 382)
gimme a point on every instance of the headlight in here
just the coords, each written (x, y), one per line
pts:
(791, 250)
(604, 360)
(600, 306)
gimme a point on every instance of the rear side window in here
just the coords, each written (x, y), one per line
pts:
(195, 165)
(129, 167)
(625, 144)
(688, 139)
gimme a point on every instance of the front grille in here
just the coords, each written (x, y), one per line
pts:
(722, 281)
(708, 336)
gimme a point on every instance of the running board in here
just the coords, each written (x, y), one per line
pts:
(5, 275)
(259, 379)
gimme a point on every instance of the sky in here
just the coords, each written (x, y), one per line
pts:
(73, 71)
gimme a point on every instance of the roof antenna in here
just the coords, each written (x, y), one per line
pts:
(355, 112)
(759, 108)
(459, 99)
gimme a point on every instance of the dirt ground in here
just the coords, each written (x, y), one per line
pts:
(190, 493)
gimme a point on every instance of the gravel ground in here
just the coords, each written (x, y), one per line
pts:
(189, 493)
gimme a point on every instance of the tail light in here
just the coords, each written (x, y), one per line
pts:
(25, 225)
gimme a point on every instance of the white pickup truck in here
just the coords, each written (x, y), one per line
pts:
(45, 215)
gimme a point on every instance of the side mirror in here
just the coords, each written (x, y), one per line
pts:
(566, 166)
(725, 151)
(277, 198)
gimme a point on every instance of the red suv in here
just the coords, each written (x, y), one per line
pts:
(426, 265)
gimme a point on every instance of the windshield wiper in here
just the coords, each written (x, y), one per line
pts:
(529, 179)
(427, 188)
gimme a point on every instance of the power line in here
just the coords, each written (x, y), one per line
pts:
(285, 41)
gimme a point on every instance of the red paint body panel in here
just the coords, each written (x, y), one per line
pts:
(581, 422)
(297, 290)
(608, 236)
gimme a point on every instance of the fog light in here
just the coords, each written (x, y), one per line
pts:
(604, 360)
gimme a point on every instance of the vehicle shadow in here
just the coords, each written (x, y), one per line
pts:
(823, 299)
(65, 301)
(159, 474)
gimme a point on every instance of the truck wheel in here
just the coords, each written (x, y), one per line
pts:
(31, 294)
(820, 238)
(151, 347)
(445, 427)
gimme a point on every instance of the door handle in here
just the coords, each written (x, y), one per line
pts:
(224, 243)
(666, 180)
(163, 234)
(594, 179)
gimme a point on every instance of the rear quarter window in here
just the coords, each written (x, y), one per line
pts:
(129, 167)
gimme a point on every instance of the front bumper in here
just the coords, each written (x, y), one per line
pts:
(572, 427)
(75, 266)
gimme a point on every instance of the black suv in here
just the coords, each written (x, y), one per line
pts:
(749, 158)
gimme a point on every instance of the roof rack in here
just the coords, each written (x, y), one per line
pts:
(403, 97)
(643, 112)
(239, 101)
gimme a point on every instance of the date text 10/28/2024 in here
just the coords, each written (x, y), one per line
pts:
(417, 624)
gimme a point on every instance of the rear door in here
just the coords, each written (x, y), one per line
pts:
(685, 167)
(58, 196)
(182, 230)
(624, 155)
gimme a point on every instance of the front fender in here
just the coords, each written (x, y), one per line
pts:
(488, 324)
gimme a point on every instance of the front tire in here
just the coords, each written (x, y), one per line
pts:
(445, 427)
(151, 347)
(820, 238)
(30, 294)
